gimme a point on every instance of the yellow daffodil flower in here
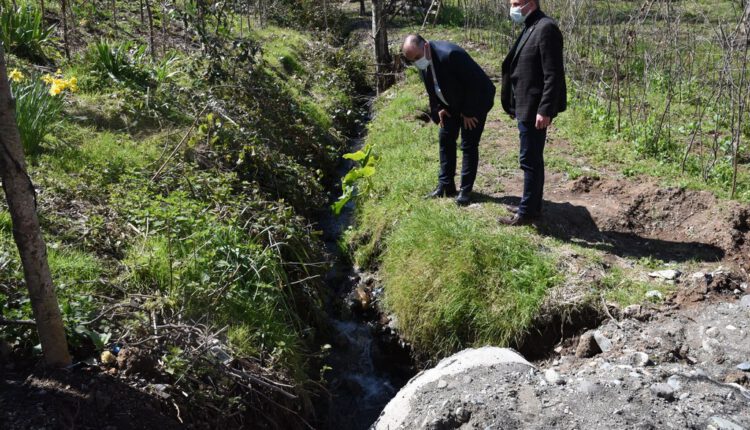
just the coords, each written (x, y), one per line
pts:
(16, 76)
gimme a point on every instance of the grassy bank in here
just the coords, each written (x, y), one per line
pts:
(181, 190)
(453, 277)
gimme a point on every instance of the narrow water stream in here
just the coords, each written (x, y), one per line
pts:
(368, 364)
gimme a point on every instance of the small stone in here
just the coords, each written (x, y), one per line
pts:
(467, 379)
(462, 415)
(719, 423)
(558, 349)
(736, 378)
(108, 358)
(602, 341)
(745, 367)
(587, 346)
(393, 323)
(745, 302)
(674, 382)
(639, 359)
(631, 311)
(663, 391)
(669, 275)
(731, 327)
(743, 286)
(698, 276)
(442, 384)
(588, 388)
(553, 378)
(684, 396)
(654, 294)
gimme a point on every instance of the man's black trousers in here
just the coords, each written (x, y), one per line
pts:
(469, 146)
(532, 163)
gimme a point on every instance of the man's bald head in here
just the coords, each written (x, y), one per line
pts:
(413, 48)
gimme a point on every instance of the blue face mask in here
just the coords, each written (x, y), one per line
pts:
(516, 15)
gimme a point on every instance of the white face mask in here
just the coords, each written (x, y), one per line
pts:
(422, 64)
(516, 15)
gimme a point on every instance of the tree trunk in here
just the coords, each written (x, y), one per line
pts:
(362, 10)
(383, 60)
(20, 195)
(151, 46)
(64, 8)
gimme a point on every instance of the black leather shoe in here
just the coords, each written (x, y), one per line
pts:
(517, 220)
(442, 191)
(514, 210)
(464, 198)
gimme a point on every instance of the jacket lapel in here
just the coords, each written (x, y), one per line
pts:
(523, 41)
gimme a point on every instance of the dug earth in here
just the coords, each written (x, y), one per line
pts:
(678, 367)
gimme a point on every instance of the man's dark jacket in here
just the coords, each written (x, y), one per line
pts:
(534, 71)
(465, 86)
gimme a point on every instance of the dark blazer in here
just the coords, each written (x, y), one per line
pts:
(533, 74)
(465, 86)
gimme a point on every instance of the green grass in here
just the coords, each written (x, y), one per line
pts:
(453, 277)
(456, 280)
(621, 287)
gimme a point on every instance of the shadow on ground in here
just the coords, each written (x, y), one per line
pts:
(574, 224)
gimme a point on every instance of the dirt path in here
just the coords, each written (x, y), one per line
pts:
(624, 217)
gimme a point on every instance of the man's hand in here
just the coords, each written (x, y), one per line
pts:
(542, 121)
(443, 114)
(470, 122)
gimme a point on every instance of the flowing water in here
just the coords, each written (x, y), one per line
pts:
(368, 363)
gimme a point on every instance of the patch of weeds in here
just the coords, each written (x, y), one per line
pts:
(621, 288)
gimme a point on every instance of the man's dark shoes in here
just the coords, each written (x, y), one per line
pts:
(464, 198)
(517, 220)
(442, 191)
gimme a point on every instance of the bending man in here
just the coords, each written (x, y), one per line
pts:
(460, 95)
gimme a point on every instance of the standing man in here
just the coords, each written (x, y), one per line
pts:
(533, 93)
(460, 95)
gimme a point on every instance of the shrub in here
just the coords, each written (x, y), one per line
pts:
(122, 63)
(37, 113)
(23, 33)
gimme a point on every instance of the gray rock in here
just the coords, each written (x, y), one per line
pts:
(587, 346)
(719, 423)
(663, 391)
(588, 388)
(674, 382)
(654, 294)
(442, 384)
(745, 302)
(639, 359)
(604, 343)
(669, 275)
(462, 415)
(631, 311)
(745, 367)
(554, 378)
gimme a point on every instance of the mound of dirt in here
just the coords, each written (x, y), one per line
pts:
(683, 369)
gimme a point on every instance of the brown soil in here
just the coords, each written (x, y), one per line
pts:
(79, 398)
(632, 217)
